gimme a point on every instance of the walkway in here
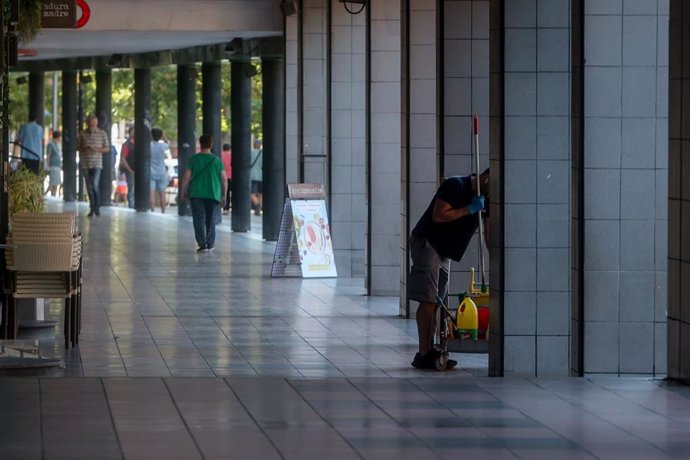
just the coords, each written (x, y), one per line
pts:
(187, 355)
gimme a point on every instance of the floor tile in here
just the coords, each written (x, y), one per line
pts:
(205, 356)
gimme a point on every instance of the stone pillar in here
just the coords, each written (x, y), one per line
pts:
(274, 146)
(241, 102)
(347, 93)
(70, 134)
(382, 231)
(104, 105)
(315, 117)
(577, 212)
(142, 130)
(293, 27)
(80, 126)
(679, 196)
(625, 186)
(211, 103)
(37, 104)
(37, 97)
(530, 189)
(186, 123)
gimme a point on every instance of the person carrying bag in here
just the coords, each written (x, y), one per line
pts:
(205, 183)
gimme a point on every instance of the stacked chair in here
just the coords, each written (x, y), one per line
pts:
(44, 260)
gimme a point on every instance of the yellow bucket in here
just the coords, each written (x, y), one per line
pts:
(467, 319)
(481, 299)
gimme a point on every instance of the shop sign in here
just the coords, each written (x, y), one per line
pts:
(59, 14)
(65, 14)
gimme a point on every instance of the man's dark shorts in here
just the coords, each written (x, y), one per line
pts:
(429, 274)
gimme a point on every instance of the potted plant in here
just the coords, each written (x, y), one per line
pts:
(26, 191)
(29, 19)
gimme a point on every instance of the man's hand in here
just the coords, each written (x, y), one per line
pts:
(476, 205)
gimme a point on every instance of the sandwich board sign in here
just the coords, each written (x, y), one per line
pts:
(305, 246)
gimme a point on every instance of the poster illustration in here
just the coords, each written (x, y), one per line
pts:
(313, 235)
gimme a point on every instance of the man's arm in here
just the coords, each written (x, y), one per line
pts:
(224, 186)
(124, 153)
(444, 212)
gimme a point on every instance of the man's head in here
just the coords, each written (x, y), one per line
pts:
(226, 147)
(57, 135)
(156, 134)
(130, 132)
(206, 141)
(93, 122)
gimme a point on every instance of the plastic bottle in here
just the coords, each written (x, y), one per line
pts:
(467, 318)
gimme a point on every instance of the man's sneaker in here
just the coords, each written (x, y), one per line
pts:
(417, 361)
(202, 249)
(210, 248)
(425, 361)
(429, 359)
(90, 213)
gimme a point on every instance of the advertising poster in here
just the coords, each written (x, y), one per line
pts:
(313, 238)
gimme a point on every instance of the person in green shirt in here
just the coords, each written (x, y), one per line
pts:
(204, 182)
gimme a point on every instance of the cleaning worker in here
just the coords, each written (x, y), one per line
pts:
(443, 233)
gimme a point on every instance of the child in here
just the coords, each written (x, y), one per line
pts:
(121, 189)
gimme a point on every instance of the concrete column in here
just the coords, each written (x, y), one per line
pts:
(679, 196)
(383, 233)
(315, 118)
(625, 185)
(104, 104)
(186, 123)
(274, 146)
(37, 97)
(530, 195)
(241, 102)
(577, 213)
(293, 26)
(348, 138)
(142, 130)
(496, 136)
(70, 134)
(81, 118)
(211, 103)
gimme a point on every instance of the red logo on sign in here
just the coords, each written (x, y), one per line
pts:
(85, 13)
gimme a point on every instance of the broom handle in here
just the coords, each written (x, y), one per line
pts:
(481, 224)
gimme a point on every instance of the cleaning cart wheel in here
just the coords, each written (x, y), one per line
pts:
(441, 363)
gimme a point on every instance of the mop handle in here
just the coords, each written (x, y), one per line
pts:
(481, 224)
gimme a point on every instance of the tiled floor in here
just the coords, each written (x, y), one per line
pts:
(187, 356)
